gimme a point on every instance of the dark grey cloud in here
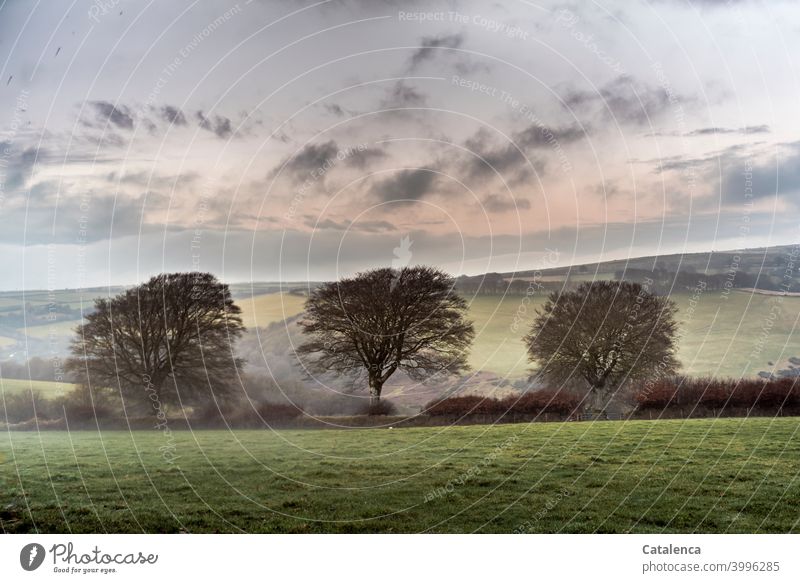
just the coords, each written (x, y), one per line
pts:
(740, 173)
(173, 115)
(312, 157)
(625, 100)
(219, 125)
(335, 109)
(362, 158)
(712, 131)
(512, 156)
(773, 174)
(359, 226)
(108, 113)
(402, 94)
(747, 130)
(430, 44)
(495, 203)
(540, 136)
(607, 189)
(95, 217)
(151, 179)
(19, 167)
(406, 185)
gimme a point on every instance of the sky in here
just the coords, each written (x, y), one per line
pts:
(292, 140)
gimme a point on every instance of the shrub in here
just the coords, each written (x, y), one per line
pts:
(24, 406)
(722, 394)
(559, 402)
(382, 407)
(531, 403)
(276, 412)
(81, 405)
(461, 406)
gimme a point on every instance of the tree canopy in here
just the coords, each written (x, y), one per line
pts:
(385, 320)
(604, 332)
(165, 342)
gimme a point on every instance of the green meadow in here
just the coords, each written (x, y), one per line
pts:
(710, 475)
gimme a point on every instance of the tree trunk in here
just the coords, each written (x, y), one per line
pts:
(596, 395)
(375, 387)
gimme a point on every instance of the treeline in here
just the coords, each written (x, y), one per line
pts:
(661, 281)
(498, 284)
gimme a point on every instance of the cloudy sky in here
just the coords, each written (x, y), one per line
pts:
(294, 140)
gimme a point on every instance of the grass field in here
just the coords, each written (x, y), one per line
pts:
(721, 337)
(48, 389)
(732, 475)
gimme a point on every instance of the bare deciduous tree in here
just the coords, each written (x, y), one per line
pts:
(385, 320)
(604, 332)
(167, 341)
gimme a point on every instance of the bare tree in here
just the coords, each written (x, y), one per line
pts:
(167, 341)
(385, 320)
(604, 333)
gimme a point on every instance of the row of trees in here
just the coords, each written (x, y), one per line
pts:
(600, 335)
(171, 341)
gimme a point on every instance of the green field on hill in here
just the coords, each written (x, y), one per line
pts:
(721, 333)
(731, 475)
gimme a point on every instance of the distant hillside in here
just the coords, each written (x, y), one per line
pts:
(767, 268)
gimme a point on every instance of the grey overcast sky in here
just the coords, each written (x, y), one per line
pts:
(283, 140)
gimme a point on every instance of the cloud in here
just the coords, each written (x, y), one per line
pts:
(625, 100)
(219, 125)
(712, 131)
(173, 115)
(741, 173)
(511, 156)
(406, 186)
(359, 226)
(429, 44)
(19, 168)
(747, 130)
(494, 203)
(403, 95)
(108, 113)
(335, 109)
(94, 216)
(312, 157)
(362, 158)
(773, 174)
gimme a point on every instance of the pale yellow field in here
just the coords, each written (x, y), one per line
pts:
(46, 388)
(263, 310)
(44, 331)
